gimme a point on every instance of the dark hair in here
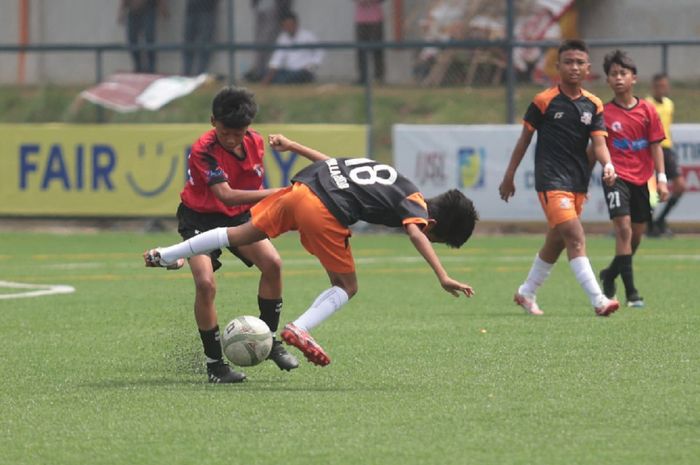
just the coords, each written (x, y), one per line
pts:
(234, 107)
(620, 58)
(572, 44)
(658, 77)
(288, 15)
(455, 217)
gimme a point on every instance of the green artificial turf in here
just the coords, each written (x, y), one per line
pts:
(114, 374)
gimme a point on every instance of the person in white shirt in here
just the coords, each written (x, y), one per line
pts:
(293, 65)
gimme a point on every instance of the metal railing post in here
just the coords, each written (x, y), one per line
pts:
(510, 70)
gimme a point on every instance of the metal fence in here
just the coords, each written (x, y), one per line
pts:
(494, 47)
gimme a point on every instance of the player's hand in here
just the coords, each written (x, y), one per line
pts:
(662, 189)
(279, 142)
(609, 174)
(456, 288)
(507, 188)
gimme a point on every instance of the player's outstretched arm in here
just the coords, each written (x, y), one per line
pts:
(601, 153)
(425, 248)
(283, 144)
(507, 187)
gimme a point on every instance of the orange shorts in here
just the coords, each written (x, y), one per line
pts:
(296, 208)
(561, 206)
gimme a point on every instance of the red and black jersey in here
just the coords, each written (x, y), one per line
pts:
(356, 189)
(563, 127)
(631, 131)
(209, 163)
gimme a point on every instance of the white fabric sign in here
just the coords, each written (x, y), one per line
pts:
(473, 159)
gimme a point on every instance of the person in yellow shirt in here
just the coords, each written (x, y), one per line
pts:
(661, 87)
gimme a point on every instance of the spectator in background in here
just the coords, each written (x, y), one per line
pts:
(200, 25)
(268, 19)
(140, 17)
(664, 107)
(369, 27)
(295, 65)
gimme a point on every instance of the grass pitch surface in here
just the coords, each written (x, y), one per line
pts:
(113, 373)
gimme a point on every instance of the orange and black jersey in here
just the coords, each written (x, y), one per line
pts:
(563, 127)
(356, 189)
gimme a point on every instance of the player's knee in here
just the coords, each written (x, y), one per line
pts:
(624, 233)
(271, 266)
(206, 287)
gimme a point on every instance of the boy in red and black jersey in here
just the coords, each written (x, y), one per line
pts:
(224, 179)
(634, 140)
(565, 118)
(324, 200)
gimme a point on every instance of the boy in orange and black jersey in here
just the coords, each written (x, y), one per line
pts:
(565, 118)
(324, 200)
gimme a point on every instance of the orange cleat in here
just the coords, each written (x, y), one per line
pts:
(302, 340)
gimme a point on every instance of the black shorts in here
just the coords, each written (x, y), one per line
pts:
(670, 163)
(626, 199)
(191, 223)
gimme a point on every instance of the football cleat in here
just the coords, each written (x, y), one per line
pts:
(302, 340)
(608, 307)
(634, 300)
(283, 359)
(153, 259)
(220, 373)
(528, 303)
(609, 288)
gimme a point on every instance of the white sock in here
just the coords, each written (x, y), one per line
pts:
(201, 243)
(581, 267)
(538, 273)
(326, 304)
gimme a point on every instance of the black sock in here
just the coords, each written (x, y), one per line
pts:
(270, 312)
(211, 343)
(670, 203)
(627, 274)
(613, 269)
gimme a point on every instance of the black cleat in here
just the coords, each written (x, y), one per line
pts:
(283, 359)
(221, 373)
(634, 300)
(609, 288)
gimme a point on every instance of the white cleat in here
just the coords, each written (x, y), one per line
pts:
(528, 303)
(153, 259)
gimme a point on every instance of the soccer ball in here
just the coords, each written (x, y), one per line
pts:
(246, 341)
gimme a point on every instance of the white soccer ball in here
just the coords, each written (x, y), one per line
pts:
(246, 341)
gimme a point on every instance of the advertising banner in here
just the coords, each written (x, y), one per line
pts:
(473, 159)
(130, 170)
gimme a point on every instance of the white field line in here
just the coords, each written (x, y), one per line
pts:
(34, 290)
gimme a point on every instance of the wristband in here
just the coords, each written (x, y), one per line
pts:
(609, 165)
(661, 177)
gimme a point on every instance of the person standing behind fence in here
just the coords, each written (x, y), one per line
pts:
(140, 17)
(200, 26)
(369, 27)
(293, 65)
(268, 18)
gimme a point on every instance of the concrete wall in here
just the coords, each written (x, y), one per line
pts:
(95, 21)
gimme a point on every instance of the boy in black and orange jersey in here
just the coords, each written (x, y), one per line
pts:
(224, 178)
(565, 118)
(326, 198)
(634, 140)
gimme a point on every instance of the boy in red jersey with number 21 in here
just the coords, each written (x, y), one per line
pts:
(634, 140)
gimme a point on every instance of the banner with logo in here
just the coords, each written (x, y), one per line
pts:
(474, 158)
(130, 170)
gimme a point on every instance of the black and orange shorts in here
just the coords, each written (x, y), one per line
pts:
(297, 208)
(561, 206)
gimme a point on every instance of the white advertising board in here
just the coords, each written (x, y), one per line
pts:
(473, 159)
